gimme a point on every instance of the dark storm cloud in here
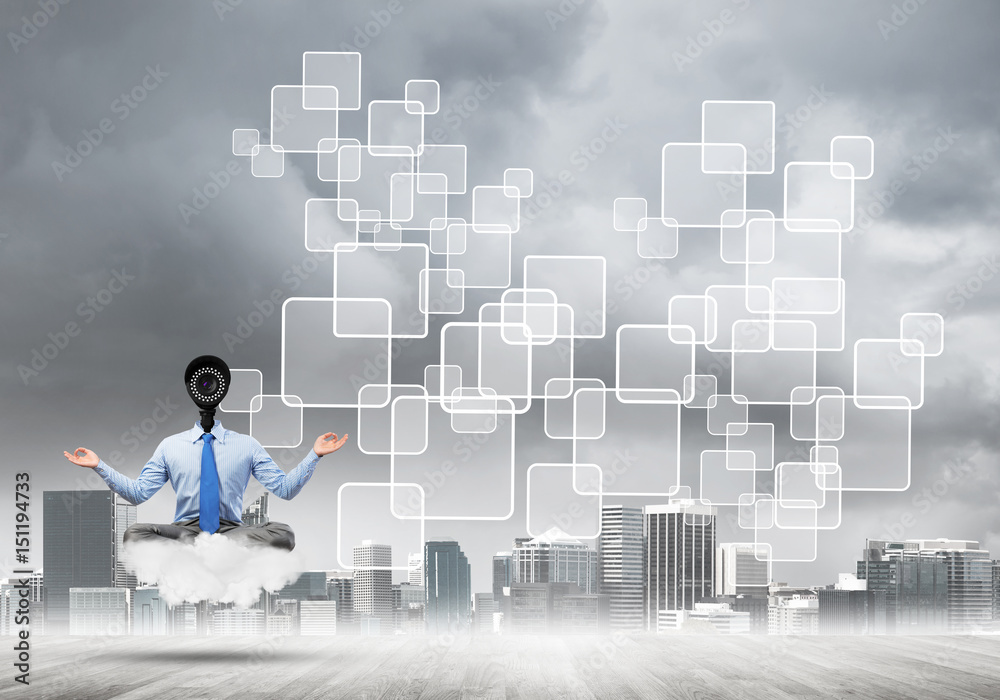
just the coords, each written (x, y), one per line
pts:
(558, 85)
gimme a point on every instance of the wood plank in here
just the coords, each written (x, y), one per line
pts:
(490, 668)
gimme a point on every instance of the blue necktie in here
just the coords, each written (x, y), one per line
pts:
(208, 505)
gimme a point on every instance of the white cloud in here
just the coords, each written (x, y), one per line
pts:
(212, 568)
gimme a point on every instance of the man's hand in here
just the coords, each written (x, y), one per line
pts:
(327, 443)
(82, 457)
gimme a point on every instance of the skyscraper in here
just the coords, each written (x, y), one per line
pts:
(310, 585)
(409, 602)
(996, 595)
(619, 565)
(125, 515)
(372, 588)
(485, 608)
(99, 610)
(449, 590)
(848, 607)
(741, 569)
(82, 532)
(415, 568)
(555, 558)
(238, 622)
(150, 615)
(256, 512)
(793, 611)
(930, 585)
(503, 573)
(317, 617)
(340, 587)
(679, 555)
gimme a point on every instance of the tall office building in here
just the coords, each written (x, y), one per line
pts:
(793, 611)
(679, 553)
(415, 569)
(278, 623)
(619, 565)
(741, 569)
(555, 608)
(372, 587)
(485, 607)
(99, 610)
(238, 622)
(310, 585)
(82, 533)
(9, 597)
(447, 580)
(996, 595)
(317, 617)
(931, 586)
(408, 603)
(150, 613)
(503, 573)
(184, 619)
(556, 558)
(256, 512)
(586, 613)
(848, 607)
(340, 587)
(125, 515)
(536, 608)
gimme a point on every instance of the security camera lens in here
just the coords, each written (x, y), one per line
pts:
(207, 384)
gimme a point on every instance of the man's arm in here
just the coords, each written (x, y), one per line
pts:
(152, 477)
(288, 485)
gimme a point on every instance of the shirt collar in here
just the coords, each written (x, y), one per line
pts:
(217, 430)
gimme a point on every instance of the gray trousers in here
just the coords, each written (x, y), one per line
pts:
(271, 535)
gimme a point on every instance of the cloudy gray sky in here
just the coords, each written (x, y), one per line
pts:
(560, 73)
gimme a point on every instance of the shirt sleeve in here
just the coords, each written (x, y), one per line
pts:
(282, 485)
(152, 477)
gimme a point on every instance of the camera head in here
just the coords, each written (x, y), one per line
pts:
(207, 381)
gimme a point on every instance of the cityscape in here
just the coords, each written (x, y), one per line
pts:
(658, 569)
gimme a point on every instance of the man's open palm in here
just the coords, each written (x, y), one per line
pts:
(327, 443)
(83, 457)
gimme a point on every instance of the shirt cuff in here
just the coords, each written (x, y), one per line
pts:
(312, 457)
(103, 470)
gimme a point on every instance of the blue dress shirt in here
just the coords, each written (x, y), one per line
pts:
(178, 460)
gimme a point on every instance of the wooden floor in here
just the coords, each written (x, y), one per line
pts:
(304, 668)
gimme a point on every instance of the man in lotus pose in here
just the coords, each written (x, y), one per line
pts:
(209, 468)
(237, 457)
